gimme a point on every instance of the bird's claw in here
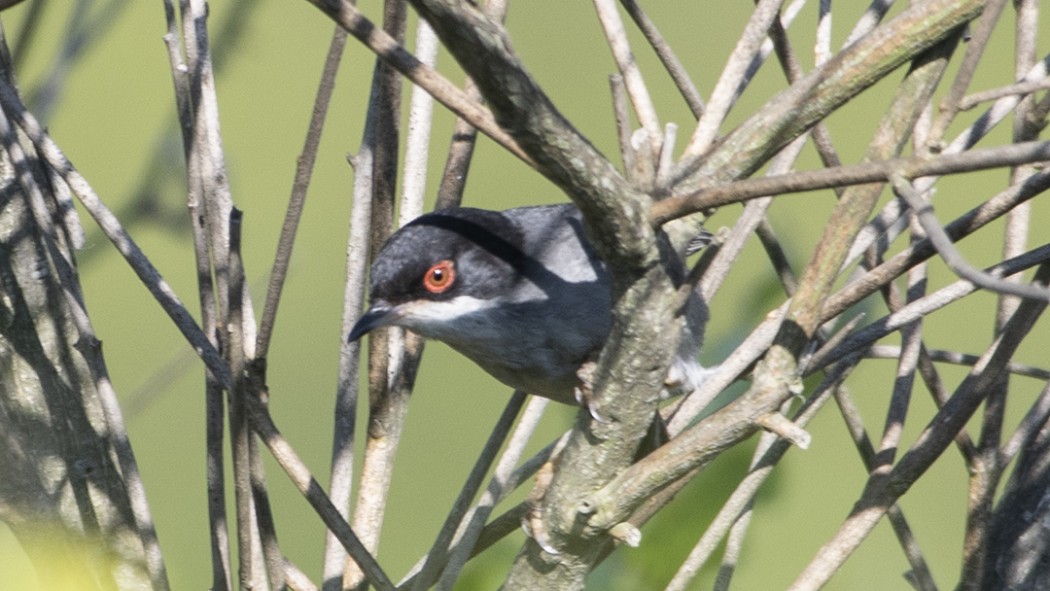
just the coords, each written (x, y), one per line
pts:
(532, 523)
(584, 394)
(534, 527)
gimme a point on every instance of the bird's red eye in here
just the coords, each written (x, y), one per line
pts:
(440, 277)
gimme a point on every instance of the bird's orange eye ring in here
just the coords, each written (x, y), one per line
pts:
(440, 277)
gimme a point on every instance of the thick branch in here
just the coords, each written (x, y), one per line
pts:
(613, 209)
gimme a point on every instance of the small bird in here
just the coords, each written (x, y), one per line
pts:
(520, 292)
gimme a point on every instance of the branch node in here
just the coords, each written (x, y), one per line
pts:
(627, 533)
(645, 172)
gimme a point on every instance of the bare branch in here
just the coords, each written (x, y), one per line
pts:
(297, 200)
(940, 240)
(503, 481)
(624, 131)
(435, 558)
(667, 57)
(853, 174)
(249, 530)
(957, 358)
(882, 492)
(616, 37)
(868, 21)
(974, 51)
(766, 457)
(345, 414)
(393, 355)
(916, 252)
(311, 489)
(722, 97)
(115, 232)
(1021, 88)
(938, 299)
(787, 115)
(464, 136)
(347, 16)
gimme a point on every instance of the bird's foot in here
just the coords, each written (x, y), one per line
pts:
(532, 523)
(583, 392)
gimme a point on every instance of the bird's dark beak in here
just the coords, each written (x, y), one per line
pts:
(379, 315)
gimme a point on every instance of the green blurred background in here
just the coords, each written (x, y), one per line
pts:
(111, 109)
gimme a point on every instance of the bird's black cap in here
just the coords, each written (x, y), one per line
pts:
(483, 245)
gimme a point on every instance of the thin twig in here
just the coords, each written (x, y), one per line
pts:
(907, 363)
(464, 136)
(440, 548)
(881, 494)
(751, 220)
(249, 547)
(273, 560)
(1021, 88)
(300, 476)
(624, 131)
(391, 366)
(666, 157)
(929, 373)
(868, 21)
(723, 95)
(957, 358)
(345, 413)
(936, 300)
(920, 573)
(241, 343)
(209, 175)
(822, 46)
(667, 56)
(940, 240)
(974, 51)
(498, 488)
(776, 41)
(808, 362)
(1034, 420)
(116, 233)
(417, 144)
(853, 174)
(296, 579)
(822, 91)
(297, 200)
(347, 16)
(616, 37)
(962, 226)
(477, 535)
(749, 486)
(222, 579)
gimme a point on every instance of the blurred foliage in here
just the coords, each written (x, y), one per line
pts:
(68, 564)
